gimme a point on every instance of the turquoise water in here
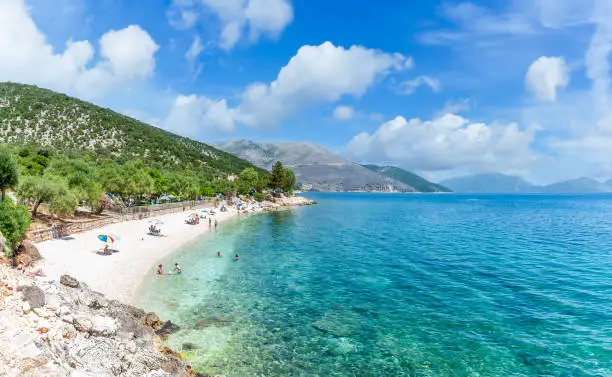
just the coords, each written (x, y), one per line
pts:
(400, 285)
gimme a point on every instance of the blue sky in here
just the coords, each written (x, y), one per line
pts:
(443, 88)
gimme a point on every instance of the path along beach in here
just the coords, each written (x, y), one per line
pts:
(118, 275)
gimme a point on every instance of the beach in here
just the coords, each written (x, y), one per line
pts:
(118, 275)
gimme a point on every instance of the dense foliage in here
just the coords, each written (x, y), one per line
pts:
(55, 121)
(9, 173)
(282, 178)
(14, 223)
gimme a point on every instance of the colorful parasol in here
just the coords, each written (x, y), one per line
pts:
(106, 238)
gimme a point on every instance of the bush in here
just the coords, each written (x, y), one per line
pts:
(259, 196)
(14, 223)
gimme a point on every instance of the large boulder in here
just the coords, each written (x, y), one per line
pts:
(27, 254)
(167, 328)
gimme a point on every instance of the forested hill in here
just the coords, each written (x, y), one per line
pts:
(31, 115)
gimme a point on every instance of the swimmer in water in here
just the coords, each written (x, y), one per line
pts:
(178, 268)
(160, 271)
(237, 257)
(218, 254)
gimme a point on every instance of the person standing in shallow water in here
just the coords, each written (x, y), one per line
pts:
(160, 270)
(209, 222)
(178, 268)
(218, 254)
(216, 223)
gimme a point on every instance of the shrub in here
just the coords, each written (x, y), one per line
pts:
(14, 223)
(259, 196)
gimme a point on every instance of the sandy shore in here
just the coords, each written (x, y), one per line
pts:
(118, 276)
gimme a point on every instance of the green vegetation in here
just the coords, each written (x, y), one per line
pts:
(411, 179)
(31, 115)
(14, 223)
(282, 178)
(9, 174)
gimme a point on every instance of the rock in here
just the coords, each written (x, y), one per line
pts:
(167, 328)
(152, 320)
(27, 254)
(82, 322)
(32, 295)
(103, 326)
(26, 308)
(189, 346)
(69, 281)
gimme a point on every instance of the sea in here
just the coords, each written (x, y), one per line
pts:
(398, 285)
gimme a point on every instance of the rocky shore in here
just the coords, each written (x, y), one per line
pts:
(63, 328)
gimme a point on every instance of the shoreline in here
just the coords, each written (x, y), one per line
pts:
(119, 276)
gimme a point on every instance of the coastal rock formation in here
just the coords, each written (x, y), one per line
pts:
(65, 329)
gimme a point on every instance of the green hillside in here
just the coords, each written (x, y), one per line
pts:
(411, 179)
(31, 115)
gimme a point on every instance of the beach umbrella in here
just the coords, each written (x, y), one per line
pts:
(193, 215)
(106, 238)
(156, 222)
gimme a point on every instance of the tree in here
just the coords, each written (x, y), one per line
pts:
(14, 223)
(9, 172)
(50, 190)
(247, 180)
(278, 176)
(288, 179)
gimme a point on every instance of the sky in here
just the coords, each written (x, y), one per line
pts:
(441, 88)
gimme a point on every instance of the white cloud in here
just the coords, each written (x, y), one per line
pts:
(316, 74)
(545, 75)
(195, 116)
(446, 143)
(410, 86)
(238, 19)
(25, 56)
(343, 113)
(130, 51)
(195, 50)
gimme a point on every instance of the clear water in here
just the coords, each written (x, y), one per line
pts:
(400, 285)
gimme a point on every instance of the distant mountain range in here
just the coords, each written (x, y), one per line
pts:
(500, 183)
(318, 169)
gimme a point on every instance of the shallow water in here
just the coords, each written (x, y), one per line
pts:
(400, 285)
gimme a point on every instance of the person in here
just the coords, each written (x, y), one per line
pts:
(106, 250)
(237, 257)
(216, 223)
(218, 254)
(160, 270)
(178, 268)
(209, 222)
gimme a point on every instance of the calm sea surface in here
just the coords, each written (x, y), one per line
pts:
(400, 285)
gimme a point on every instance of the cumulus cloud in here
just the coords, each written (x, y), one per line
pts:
(446, 143)
(25, 56)
(410, 86)
(316, 74)
(343, 113)
(195, 116)
(545, 75)
(239, 19)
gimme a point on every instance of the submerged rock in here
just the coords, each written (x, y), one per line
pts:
(167, 328)
(69, 281)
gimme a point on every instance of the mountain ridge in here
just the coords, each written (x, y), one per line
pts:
(501, 183)
(315, 168)
(409, 178)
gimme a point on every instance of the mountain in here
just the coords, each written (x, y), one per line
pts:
(411, 179)
(315, 168)
(490, 183)
(31, 115)
(578, 186)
